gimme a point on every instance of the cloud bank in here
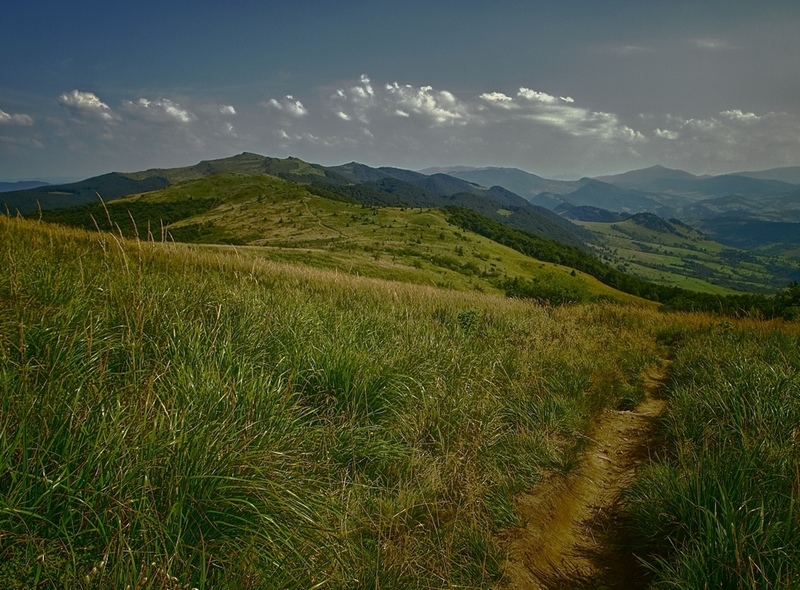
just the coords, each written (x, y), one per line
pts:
(408, 125)
(532, 128)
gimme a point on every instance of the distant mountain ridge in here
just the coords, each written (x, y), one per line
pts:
(111, 186)
(756, 210)
(518, 181)
(516, 198)
(353, 182)
(21, 185)
(646, 175)
(790, 174)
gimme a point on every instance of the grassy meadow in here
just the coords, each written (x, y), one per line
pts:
(720, 507)
(176, 416)
(173, 416)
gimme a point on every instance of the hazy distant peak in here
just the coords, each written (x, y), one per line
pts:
(647, 175)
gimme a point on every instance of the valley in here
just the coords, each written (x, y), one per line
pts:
(672, 253)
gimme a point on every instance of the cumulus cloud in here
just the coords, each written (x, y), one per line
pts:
(87, 103)
(559, 112)
(15, 119)
(740, 116)
(288, 105)
(440, 107)
(729, 126)
(498, 98)
(414, 125)
(535, 96)
(364, 103)
(666, 134)
(365, 91)
(359, 99)
(160, 110)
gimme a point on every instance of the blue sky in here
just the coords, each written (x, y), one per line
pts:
(568, 88)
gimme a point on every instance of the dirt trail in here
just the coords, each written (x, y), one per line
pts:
(573, 538)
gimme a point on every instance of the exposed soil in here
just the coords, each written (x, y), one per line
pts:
(574, 537)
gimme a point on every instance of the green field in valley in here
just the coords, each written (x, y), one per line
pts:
(675, 254)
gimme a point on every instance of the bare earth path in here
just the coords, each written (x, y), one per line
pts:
(573, 538)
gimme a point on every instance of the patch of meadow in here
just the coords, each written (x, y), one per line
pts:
(719, 509)
(176, 417)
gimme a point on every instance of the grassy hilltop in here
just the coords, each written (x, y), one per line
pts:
(275, 219)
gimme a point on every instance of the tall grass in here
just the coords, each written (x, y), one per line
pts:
(171, 416)
(720, 510)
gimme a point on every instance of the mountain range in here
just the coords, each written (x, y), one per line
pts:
(756, 211)
(20, 185)
(764, 204)
(355, 182)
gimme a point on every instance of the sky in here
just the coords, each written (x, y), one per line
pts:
(562, 89)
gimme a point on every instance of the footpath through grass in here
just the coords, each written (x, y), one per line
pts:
(171, 417)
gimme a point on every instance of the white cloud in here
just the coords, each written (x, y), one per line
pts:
(359, 99)
(175, 111)
(559, 112)
(543, 97)
(87, 103)
(289, 105)
(15, 119)
(498, 98)
(160, 110)
(364, 103)
(441, 107)
(409, 124)
(534, 96)
(666, 134)
(366, 86)
(737, 115)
